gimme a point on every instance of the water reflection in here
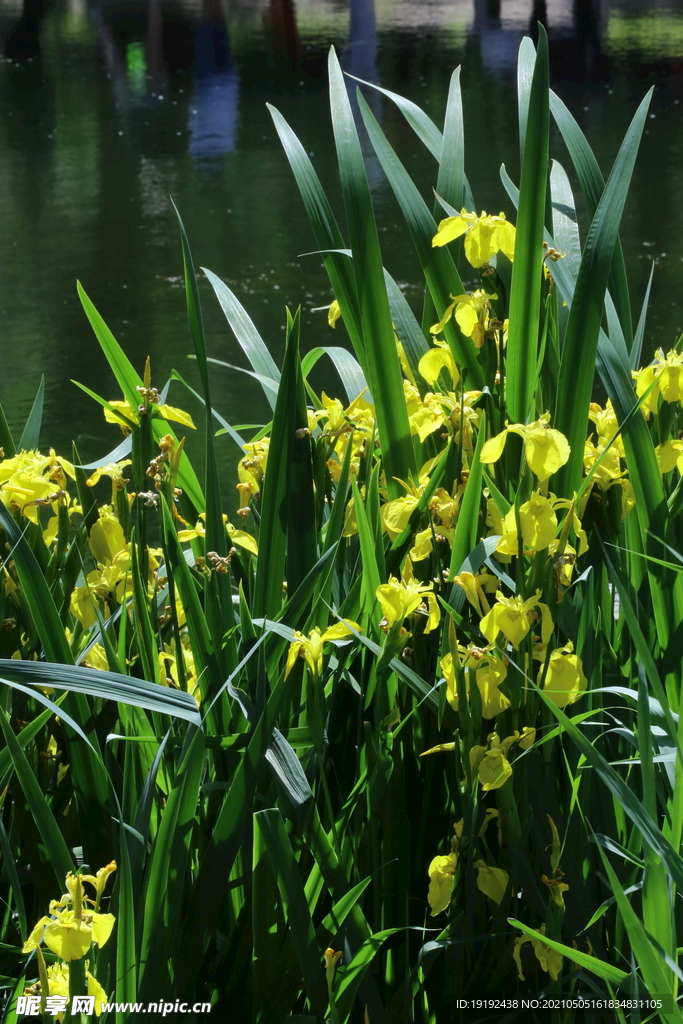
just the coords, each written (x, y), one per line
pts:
(279, 20)
(213, 118)
(359, 56)
(23, 40)
(110, 106)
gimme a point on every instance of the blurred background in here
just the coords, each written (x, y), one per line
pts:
(108, 107)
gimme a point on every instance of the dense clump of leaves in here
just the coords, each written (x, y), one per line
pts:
(404, 728)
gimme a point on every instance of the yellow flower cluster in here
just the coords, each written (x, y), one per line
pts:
(663, 378)
(71, 928)
(485, 235)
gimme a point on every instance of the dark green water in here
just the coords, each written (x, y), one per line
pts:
(108, 108)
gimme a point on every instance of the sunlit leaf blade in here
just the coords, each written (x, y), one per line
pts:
(422, 125)
(450, 182)
(583, 328)
(408, 330)
(270, 571)
(565, 220)
(215, 534)
(592, 185)
(100, 683)
(525, 296)
(382, 365)
(250, 340)
(346, 366)
(437, 263)
(326, 231)
(651, 508)
(639, 335)
(526, 63)
(56, 849)
(31, 434)
(603, 969)
(302, 546)
(169, 859)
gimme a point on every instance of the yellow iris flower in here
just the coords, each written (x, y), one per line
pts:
(239, 537)
(669, 456)
(29, 480)
(476, 588)
(357, 421)
(472, 315)
(70, 929)
(538, 522)
(512, 616)
(550, 960)
(58, 985)
(667, 371)
(398, 598)
(489, 671)
(494, 770)
(114, 470)
(545, 449)
(251, 469)
(435, 360)
(491, 881)
(484, 236)
(107, 538)
(441, 873)
(333, 313)
(168, 412)
(310, 647)
(565, 681)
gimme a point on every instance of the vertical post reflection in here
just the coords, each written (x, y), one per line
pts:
(213, 116)
(279, 17)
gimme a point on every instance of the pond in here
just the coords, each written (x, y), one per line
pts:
(110, 107)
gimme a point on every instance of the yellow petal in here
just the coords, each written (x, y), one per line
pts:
(477, 755)
(448, 313)
(494, 770)
(423, 545)
(491, 881)
(565, 681)
(169, 412)
(293, 654)
(434, 615)
(102, 926)
(333, 313)
(505, 238)
(441, 874)
(480, 242)
(340, 630)
(440, 748)
(96, 990)
(451, 228)
(68, 938)
(493, 700)
(107, 538)
(434, 361)
(546, 450)
(242, 539)
(396, 514)
(528, 737)
(82, 606)
(425, 420)
(669, 454)
(50, 531)
(492, 449)
(36, 936)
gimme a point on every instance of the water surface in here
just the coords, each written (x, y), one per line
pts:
(111, 106)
